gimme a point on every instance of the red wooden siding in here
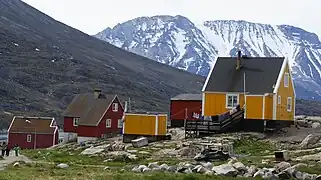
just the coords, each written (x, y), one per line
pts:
(177, 109)
(42, 141)
(69, 125)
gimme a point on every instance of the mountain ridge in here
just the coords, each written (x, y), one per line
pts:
(44, 63)
(178, 42)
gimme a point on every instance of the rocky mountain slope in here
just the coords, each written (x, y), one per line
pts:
(44, 63)
(178, 42)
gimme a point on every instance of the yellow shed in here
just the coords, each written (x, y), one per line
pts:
(263, 85)
(148, 125)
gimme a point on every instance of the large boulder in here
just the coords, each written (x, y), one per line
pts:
(225, 170)
(310, 140)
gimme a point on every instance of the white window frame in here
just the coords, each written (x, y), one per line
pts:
(286, 79)
(29, 138)
(108, 123)
(115, 107)
(279, 99)
(287, 104)
(120, 123)
(74, 121)
(233, 105)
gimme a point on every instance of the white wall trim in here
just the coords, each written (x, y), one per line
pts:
(217, 92)
(274, 106)
(133, 114)
(293, 108)
(10, 127)
(263, 108)
(209, 75)
(156, 125)
(203, 103)
(54, 136)
(255, 95)
(290, 76)
(124, 122)
(278, 82)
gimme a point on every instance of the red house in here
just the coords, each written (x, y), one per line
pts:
(93, 115)
(185, 106)
(33, 132)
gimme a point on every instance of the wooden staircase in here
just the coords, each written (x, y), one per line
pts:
(195, 128)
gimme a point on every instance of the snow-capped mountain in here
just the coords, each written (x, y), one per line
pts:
(178, 42)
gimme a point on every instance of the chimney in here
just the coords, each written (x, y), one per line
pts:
(126, 106)
(97, 93)
(238, 60)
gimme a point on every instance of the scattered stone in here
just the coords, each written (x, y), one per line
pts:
(315, 125)
(284, 175)
(240, 167)
(16, 164)
(132, 151)
(146, 170)
(208, 165)
(164, 167)
(62, 165)
(153, 165)
(92, 150)
(225, 170)
(318, 177)
(252, 170)
(311, 139)
(143, 152)
(282, 166)
(140, 142)
(259, 173)
(107, 168)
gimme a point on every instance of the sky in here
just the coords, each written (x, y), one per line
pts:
(92, 16)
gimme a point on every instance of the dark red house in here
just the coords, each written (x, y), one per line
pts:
(93, 115)
(33, 132)
(185, 106)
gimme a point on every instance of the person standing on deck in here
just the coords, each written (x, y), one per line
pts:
(3, 149)
(7, 150)
(16, 149)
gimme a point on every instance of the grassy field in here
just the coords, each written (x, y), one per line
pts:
(48, 172)
(85, 167)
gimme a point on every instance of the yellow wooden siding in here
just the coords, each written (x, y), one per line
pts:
(268, 111)
(215, 103)
(140, 124)
(162, 127)
(254, 107)
(285, 92)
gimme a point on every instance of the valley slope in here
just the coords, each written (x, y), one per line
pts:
(44, 63)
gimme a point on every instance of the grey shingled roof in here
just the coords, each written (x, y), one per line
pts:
(88, 108)
(188, 97)
(261, 75)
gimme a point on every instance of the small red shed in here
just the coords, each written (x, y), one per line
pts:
(185, 106)
(33, 132)
(93, 115)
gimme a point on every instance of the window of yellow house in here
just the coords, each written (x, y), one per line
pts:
(289, 104)
(232, 100)
(286, 80)
(279, 99)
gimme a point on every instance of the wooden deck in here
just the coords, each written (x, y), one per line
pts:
(193, 128)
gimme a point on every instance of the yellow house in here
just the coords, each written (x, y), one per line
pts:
(152, 126)
(263, 85)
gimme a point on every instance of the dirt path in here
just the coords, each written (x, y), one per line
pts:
(11, 159)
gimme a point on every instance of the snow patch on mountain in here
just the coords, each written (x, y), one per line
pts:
(178, 42)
